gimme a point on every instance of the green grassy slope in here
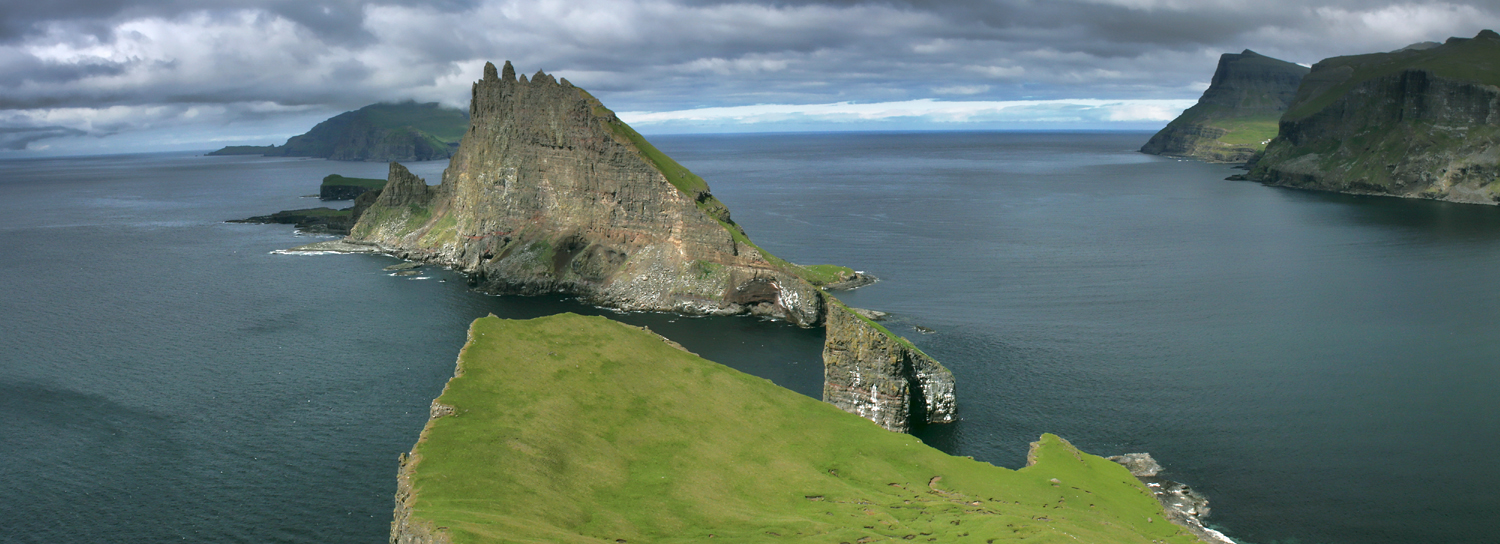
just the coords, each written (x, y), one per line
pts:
(697, 189)
(1237, 114)
(368, 183)
(1473, 60)
(446, 124)
(582, 429)
(439, 127)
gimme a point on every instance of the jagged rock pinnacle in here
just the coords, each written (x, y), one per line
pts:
(510, 72)
(540, 77)
(489, 72)
(523, 78)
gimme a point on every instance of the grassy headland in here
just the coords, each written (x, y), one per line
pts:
(367, 183)
(581, 429)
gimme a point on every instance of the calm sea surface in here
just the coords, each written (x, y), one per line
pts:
(1323, 367)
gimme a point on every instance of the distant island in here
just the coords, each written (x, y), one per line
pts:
(336, 187)
(405, 131)
(1420, 122)
(1237, 115)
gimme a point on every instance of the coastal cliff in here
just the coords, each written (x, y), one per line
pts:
(1422, 122)
(405, 131)
(562, 429)
(870, 372)
(1237, 115)
(551, 193)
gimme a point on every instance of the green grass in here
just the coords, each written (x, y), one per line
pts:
(581, 429)
(444, 231)
(1476, 60)
(1251, 131)
(447, 124)
(411, 218)
(368, 183)
(697, 189)
(823, 274)
(876, 325)
(319, 212)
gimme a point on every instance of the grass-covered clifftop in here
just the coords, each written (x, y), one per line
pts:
(1236, 115)
(1418, 122)
(581, 429)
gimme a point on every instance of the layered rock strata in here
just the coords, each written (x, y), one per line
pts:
(1236, 115)
(871, 372)
(551, 193)
(1416, 123)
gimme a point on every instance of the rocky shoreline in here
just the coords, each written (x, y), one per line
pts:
(1184, 507)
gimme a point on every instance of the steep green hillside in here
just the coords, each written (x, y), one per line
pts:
(405, 131)
(581, 429)
(1418, 123)
(1462, 59)
(1237, 115)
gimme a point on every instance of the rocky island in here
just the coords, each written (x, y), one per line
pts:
(1237, 115)
(562, 429)
(405, 131)
(1421, 122)
(550, 192)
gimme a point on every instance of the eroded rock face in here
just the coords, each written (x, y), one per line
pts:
(1249, 92)
(550, 192)
(874, 374)
(1405, 123)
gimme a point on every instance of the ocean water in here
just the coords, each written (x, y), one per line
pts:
(1322, 366)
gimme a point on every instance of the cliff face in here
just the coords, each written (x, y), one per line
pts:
(550, 192)
(870, 372)
(1236, 115)
(1419, 123)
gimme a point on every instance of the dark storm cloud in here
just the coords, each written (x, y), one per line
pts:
(61, 60)
(17, 138)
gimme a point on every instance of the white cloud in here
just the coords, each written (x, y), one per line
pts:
(961, 89)
(929, 110)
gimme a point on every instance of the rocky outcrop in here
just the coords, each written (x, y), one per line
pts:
(322, 220)
(311, 220)
(405, 131)
(1236, 115)
(1183, 506)
(871, 372)
(551, 193)
(1417, 123)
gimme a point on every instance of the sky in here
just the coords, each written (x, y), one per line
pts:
(120, 76)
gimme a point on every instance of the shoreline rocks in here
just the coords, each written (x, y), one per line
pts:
(1184, 507)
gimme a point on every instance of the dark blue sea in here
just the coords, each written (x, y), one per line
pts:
(1324, 367)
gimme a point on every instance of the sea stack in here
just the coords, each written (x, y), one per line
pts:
(871, 372)
(1237, 115)
(1420, 122)
(550, 192)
